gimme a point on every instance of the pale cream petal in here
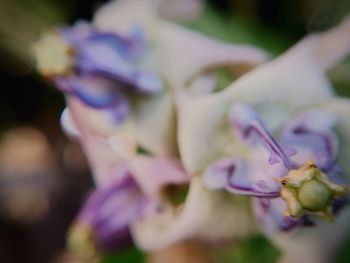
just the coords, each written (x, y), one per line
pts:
(121, 15)
(186, 53)
(104, 152)
(67, 123)
(333, 45)
(153, 173)
(155, 123)
(180, 10)
(206, 215)
(277, 90)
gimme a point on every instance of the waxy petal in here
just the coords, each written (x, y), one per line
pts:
(246, 122)
(321, 242)
(109, 211)
(106, 151)
(180, 10)
(312, 136)
(155, 119)
(179, 69)
(119, 16)
(152, 174)
(68, 125)
(280, 83)
(296, 78)
(97, 93)
(236, 176)
(205, 215)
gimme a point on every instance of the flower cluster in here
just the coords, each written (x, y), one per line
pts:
(165, 146)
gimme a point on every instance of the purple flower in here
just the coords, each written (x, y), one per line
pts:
(103, 223)
(269, 124)
(135, 192)
(102, 68)
(278, 168)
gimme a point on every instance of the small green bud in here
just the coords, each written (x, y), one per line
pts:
(309, 191)
(314, 195)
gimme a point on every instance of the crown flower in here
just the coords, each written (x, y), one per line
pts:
(176, 157)
(259, 136)
(120, 75)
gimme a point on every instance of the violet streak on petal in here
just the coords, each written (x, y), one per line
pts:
(233, 175)
(248, 124)
(310, 133)
(114, 57)
(110, 210)
(97, 93)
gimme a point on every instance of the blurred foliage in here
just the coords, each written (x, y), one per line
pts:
(340, 78)
(233, 28)
(254, 249)
(125, 256)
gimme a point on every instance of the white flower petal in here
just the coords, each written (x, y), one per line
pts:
(206, 215)
(276, 90)
(321, 242)
(186, 53)
(180, 10)
(121, 15)
(68, 124)
(100, 149)
(154, 173)
(155, 123)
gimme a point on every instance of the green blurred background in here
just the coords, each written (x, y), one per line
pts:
(28, 100)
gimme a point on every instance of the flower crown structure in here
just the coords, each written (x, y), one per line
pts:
(174, 159)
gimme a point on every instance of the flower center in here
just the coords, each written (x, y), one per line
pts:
(308, 190)
(314, 195)
(54, 56)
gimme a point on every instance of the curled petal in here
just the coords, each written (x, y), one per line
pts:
(112, 56)
(109, 211)
(321, 242)
(68, 124)
(237, 177)
(199, 142)
(311, 134)
(248, 124)
(97, 93)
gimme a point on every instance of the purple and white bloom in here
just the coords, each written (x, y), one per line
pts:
(108, 72)
(136, 191)
(99, 67)
(258, 136)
